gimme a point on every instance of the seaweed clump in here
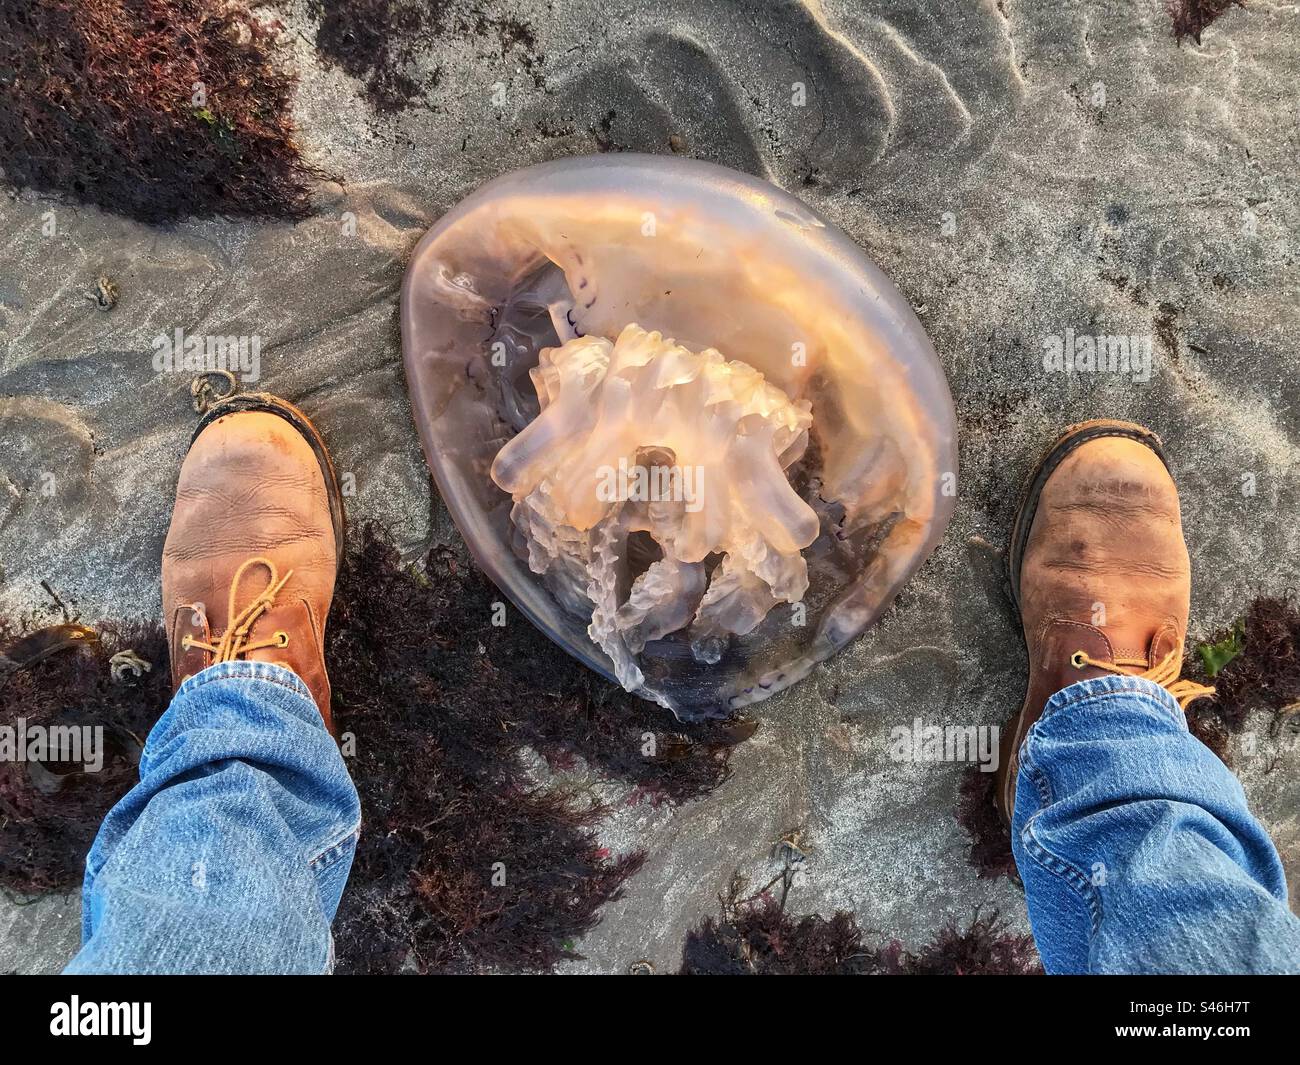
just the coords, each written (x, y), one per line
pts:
(466, 861)
(982, 948)
(977, 813)
(49, 810)
(1191, 17)
(156, 109)
(756, 936)
(1253, 665)
(379, 42)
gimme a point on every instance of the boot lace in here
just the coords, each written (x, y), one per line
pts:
(234, 641)
(1165, 674)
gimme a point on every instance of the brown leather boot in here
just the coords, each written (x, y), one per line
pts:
(254, 547)
(1099, 571)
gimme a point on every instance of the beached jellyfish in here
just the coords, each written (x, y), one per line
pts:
(682, 421)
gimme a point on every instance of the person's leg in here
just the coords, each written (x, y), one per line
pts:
(1134, 842)
(231, 854)
(1136, 847)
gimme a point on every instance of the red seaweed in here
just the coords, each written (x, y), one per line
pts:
(1191, 17)
(755, 935)
(160, 110)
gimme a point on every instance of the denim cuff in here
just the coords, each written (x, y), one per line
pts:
(267, 672)
(1156, 698)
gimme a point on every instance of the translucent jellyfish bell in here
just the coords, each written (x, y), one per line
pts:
(691, 431)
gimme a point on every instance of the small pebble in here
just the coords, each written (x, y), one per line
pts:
(105, 296)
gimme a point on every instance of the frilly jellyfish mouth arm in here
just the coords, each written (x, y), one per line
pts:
(701, 452)
(632, 437)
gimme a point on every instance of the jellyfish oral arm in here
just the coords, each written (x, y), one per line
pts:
(641, 435)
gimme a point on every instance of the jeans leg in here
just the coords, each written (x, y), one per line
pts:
(1136, 847)
(231, 854)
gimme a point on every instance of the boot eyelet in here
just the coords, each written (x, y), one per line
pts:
(282, 638)
(1076, 660)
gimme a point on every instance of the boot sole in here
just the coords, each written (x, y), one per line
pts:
(1073, 437)
(269, 404)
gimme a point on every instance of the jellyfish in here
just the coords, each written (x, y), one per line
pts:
(681, 420)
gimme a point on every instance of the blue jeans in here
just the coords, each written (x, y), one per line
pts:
(1136, 848)
(1135, 845)
(231, 854)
